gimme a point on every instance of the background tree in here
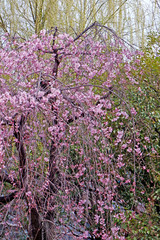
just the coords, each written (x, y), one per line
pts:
(132, 20)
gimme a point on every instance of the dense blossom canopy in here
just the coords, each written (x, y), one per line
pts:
(69, 142)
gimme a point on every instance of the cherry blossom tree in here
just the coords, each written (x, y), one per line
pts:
(69, 143)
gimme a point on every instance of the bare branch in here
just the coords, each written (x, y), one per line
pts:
(81, 34)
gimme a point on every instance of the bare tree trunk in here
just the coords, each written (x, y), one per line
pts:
(35, 225)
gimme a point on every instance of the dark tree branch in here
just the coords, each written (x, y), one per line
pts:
(8, 198)
(88, 28)
(105, 96)
(18, 127)
(57, 62)
(54, 37)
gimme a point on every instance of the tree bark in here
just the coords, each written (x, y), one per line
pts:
(35, 225)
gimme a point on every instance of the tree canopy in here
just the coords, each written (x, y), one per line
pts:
(77, 156)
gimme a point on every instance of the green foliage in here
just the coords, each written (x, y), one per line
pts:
(143, 226)
(146, 102)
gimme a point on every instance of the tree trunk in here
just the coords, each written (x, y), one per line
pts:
(35, 225)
